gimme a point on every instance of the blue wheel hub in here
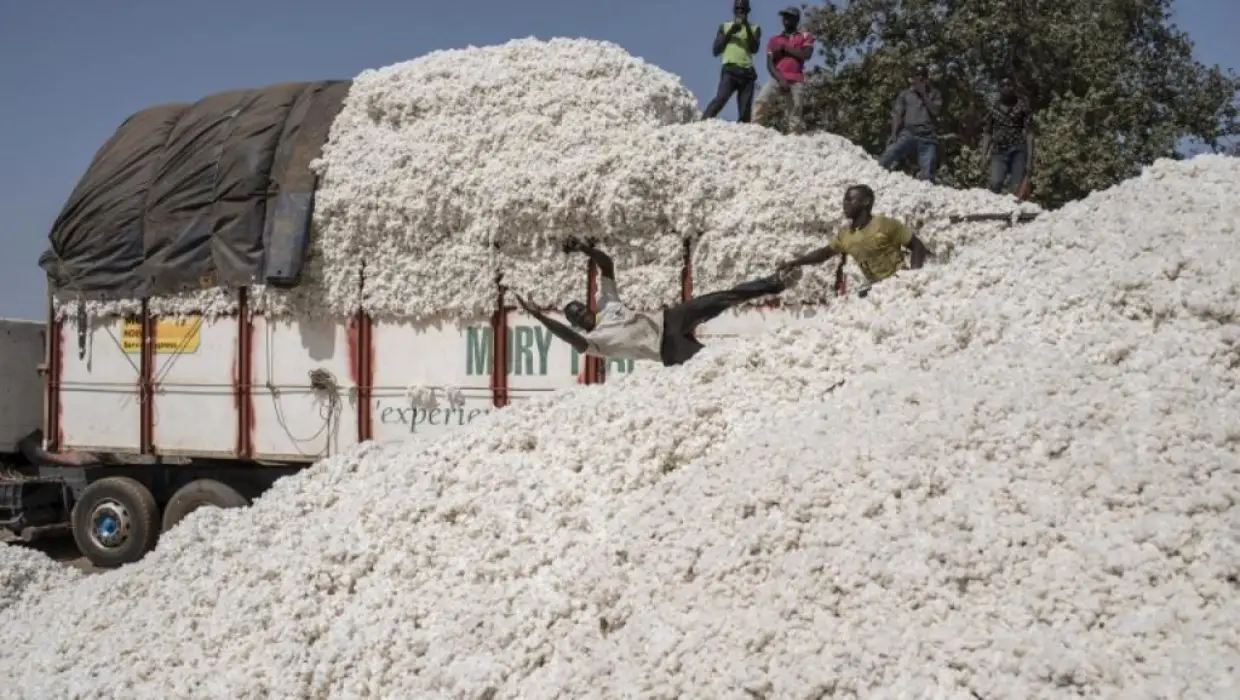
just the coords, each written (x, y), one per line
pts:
(107, 526)
(110, 524)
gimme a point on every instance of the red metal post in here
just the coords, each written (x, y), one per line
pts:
(53, 369)
(686, 272)
(362, 363)
(595, 369)
(243, 385)
(146, 388)
(499, 349)
(366, 376)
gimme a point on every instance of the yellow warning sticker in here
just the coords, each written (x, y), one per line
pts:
(172, 336)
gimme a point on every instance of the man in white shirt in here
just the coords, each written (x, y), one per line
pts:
(617, 331)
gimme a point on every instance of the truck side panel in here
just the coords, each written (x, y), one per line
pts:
(298, 390)
(537, 363)
(100, 371)
(194, 410)
(430, 378)
(21, 387)
(305, 389)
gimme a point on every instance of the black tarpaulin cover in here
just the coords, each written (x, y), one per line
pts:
(182, 197)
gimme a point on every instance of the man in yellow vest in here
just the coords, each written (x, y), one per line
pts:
(737, 42)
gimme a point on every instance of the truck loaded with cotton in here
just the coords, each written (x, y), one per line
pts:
(1013, 473)
(247, 284)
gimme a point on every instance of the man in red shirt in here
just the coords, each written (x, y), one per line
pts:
(786, 54)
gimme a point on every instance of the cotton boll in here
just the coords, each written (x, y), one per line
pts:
(420, 397)
(431, 397)
(454, 396)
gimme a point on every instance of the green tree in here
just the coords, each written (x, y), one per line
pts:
(1113, 83)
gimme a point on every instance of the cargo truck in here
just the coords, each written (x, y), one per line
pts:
(117, 427)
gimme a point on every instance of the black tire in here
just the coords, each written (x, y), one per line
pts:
(115, 522)
(196, 494)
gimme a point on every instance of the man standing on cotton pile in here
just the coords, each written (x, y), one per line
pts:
(1007, 139)
(621, 333)
(876, 243)
(786, 54)
(914, 119)
(737, 41)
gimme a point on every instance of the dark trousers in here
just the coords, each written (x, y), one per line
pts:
(922, 142)
(680, 321)
(734, 79)
(1005, 164)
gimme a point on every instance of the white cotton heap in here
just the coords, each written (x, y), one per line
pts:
(1012, 476)
(443, 172)
(27, 575)
(446, 170)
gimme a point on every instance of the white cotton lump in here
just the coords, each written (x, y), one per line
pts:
(27, 575)
(1011, 476)
(443, 172)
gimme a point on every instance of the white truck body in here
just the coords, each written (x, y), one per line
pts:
(146, 419)
(241, 387)
(21, 386)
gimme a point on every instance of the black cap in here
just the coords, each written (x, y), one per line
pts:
(791, 12)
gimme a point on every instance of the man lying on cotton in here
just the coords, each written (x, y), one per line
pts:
(618, 332)
(876, 243)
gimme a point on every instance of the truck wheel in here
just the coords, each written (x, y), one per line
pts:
(196, 494)
(115, 522)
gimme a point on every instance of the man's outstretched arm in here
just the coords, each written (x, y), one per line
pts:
(559, 330)
(606, 267)
(907, 236)
(563, 332)
(814, 257)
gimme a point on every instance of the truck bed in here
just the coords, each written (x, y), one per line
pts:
(293, 391)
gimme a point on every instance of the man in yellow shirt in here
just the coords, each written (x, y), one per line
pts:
(876, 243)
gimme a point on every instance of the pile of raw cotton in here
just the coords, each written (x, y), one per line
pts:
(1011, 476)
(445, 171)
(25, 575)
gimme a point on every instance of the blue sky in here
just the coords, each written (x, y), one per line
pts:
(71, 71)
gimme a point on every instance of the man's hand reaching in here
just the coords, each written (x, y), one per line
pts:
(574, 244)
